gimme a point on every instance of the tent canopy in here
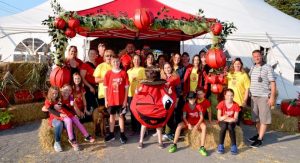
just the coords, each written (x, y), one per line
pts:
(118, 7)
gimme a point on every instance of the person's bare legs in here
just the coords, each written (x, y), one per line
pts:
(121, 123)
(203, 133)
(261, 130)
(159, 135)
(177, 132)
(112, 121)
(142, 133)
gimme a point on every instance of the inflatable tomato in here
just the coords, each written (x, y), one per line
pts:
(152, 106)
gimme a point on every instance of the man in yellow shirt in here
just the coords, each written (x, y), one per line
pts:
(100, 72)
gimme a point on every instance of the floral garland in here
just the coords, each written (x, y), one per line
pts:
(190, 26)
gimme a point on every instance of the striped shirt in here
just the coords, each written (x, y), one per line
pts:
(261, 89)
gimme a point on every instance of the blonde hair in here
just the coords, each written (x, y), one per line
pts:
(49, 94)
(108, 51)
(163, 75)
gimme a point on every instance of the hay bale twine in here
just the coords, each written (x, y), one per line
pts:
(192, 138)
(282, 122)
(46, 136)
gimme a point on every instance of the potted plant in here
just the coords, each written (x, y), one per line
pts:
(247, 118)
(5, 118)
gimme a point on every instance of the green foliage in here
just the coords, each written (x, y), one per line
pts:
(5, 117)
(290, 7)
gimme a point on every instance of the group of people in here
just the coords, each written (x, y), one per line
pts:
(111, 80)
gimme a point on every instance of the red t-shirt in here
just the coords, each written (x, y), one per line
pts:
(192, 116)
(115, 82)
(204, 104)
(78, 63)
(99, 60)
(89, 73)
(126, 61)
(78, 98)
(62, 110)
(229, 111)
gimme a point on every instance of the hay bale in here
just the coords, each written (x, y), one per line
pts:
(27, 112)
(282, 122)
(46, 135)
(212, 137)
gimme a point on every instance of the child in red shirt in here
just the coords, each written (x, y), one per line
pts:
(193, 120)
(228, 112)
(204, 103)
(115, 93)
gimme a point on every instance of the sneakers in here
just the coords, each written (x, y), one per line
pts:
(155, 134)
(173, 148)
(256, 144)
(74, 145)
(161, 146)
(253, 139)
(89, 139)
(57, 147)
(110, 137)
(141, 145)
(169, 137)
(234, 150)
(221, 149)
(203, 151)
(123, 139)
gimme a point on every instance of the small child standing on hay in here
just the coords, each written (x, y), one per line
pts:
(116, 86)
(228, 112)
(204, 103)
(193, 120)
(61, 110)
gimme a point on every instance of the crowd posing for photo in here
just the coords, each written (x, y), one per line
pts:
(112, 80)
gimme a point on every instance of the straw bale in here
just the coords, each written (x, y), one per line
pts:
(282, 122)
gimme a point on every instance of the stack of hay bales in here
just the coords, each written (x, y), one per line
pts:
(27, 112)
(212, 137)
(282, 122)
(46, 135)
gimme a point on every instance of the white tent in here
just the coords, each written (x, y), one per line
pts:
(259, 25)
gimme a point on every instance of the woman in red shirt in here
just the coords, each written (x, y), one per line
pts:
(72, 61)
(86, 71)
(228, 112)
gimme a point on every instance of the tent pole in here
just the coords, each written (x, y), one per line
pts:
(280, 74)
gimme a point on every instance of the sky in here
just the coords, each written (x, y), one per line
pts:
(10, 7)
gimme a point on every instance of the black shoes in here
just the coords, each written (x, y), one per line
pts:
(256, 144)
(253, 139)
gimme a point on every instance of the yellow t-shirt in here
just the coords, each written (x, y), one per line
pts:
(100, 72)
(193, 80)
(239, 82)
(139, 74)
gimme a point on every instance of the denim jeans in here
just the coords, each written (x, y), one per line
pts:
(58, 127)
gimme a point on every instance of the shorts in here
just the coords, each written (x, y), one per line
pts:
(117, 109)
(261, 112)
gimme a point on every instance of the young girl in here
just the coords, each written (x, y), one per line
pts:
(79, 97)
(57, 123)
(63, 110)
(205, 104)
(192, 119)
(228, 112)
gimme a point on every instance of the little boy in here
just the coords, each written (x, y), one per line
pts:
(115, 93)
(192, 119)
(204, 103)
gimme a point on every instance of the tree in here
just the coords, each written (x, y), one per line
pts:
(290, 7)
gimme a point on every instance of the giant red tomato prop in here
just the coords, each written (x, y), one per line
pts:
(290, 108)
(73, 23)
(216, 29)
(60, 76)
(143, 18)
(59, 23)
(70, 33)
(216, 88)
(215, 58)
(152, 106)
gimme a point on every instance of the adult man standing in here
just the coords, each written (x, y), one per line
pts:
(263, 89)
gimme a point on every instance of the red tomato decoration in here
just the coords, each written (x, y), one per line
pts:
(60, 76)
(5, 126)
(23, 96)
(248, 122)
(290, 109)
(73, 23)
(70, 33)
(216, 88)
(3, 101)
(142, 18)
(59, 23)
(216, 29)
(212, 78)
(215, 58)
